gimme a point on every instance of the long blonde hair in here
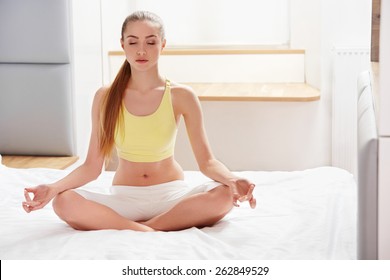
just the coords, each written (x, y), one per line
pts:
(111, 108)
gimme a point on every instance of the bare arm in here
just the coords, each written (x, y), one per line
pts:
(92, 166)
(85, 173)
(211, 167)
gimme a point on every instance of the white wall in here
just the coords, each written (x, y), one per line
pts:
(345, 23)
(230, 68)
(195, 22)
(88, 65)
(222, 22)
(305, 30)
(112, 17)
(261, 135)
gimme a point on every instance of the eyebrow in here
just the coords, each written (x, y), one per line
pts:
(147, 37)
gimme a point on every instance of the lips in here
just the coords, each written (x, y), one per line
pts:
(141, 61)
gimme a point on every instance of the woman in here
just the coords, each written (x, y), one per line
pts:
(139, 114)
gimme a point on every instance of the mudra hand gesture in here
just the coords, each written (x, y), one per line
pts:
(242, 190)
(42, 195)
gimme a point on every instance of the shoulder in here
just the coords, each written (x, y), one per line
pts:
(102, 92)
(100, 95)
(184, 98)
(183, 93)
(98, 99)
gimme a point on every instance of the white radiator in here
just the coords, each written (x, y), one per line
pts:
(348, 63)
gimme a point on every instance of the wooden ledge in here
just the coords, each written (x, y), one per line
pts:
(227, 51)
(38, 161)
(281, 92)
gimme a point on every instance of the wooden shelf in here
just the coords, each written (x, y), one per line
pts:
(218, 51)
(226, 91)
(38, 161)
(281, 92)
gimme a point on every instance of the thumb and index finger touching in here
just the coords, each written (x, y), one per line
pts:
(30, 204)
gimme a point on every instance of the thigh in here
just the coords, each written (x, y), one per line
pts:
(142, 204)
(205, 187)
(161, 206)
(125, 207)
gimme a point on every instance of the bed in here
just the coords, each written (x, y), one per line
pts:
(308, 214)
(367, 179)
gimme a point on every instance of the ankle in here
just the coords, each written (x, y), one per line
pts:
(146, 228)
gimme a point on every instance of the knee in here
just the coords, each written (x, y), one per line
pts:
(63, 205)
(222, 198)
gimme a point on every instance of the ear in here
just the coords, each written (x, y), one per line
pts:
(122, 43)
(164, 42)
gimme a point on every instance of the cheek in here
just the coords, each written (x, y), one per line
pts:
(155, 51)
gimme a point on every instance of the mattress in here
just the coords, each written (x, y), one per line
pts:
(301, 215)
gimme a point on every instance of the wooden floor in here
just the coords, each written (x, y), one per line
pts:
(282, 92)
(38, 161)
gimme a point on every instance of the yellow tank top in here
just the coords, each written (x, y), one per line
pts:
(148, 138)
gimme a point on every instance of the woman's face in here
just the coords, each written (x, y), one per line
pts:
(142, 44)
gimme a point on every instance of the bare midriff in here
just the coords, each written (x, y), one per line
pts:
(147, 173)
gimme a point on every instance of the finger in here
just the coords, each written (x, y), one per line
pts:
(253, 203)
(250, 190)
(32, 204)
(36, 207)
(235, 201)
(29, 207)
(30, 190)
(236, 198)
(27, 195)
(249, 194)
(26, 208)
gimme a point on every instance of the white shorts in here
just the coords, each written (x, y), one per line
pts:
(144, 203)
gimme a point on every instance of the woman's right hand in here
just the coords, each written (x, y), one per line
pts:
(42, 195)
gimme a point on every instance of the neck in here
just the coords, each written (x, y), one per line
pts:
(146, 79)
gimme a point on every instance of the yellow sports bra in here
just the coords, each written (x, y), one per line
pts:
(148, 138)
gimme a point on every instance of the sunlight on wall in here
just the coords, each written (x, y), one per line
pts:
(222, 22)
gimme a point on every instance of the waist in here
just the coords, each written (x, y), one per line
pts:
(142, 174)
(163, 187)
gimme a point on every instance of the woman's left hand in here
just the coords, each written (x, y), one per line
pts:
(242, 190)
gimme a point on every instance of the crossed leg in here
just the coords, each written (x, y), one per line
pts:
(83, 214)
(198, 210)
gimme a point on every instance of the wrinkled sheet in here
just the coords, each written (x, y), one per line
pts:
(309, 214)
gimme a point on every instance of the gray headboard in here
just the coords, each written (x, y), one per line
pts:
(367, 170)
(36, 116)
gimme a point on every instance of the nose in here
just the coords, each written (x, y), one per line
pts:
(141, 52)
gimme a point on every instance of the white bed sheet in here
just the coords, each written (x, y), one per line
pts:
(304, 215)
